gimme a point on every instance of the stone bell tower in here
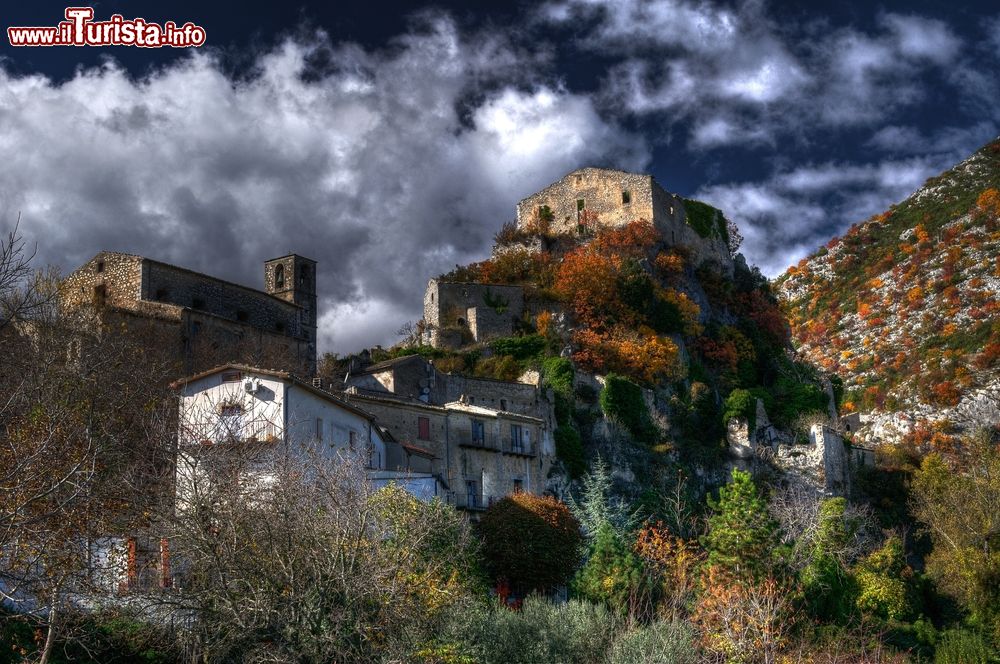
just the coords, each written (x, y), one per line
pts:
(293, 278)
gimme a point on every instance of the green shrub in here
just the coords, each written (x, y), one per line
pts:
(883, 588)
(558, 374)
(570, 633)
(963, 646)
(792, 398)
(613, 573)
(740, 404)
(706, 220)
(522, 348)
(569, 449)
(661, 642)
(622, 400)
(501, 367)
(828, 587)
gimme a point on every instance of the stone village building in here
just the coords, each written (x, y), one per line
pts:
(236, 413)
(234, 404)
(201, 320)
(489, 437)
(481, 454)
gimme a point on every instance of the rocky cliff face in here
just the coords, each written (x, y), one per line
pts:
(904, 306)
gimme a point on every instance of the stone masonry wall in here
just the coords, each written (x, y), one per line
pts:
(457, 459)
(447, 305)
(174, 285)
(205, 320)
(602, 191)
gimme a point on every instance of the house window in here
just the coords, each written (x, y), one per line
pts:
(100, 295)
(580, 204)
(626, 197)
(352, 439)
(241, 316)
(100, 266)
(161, 294)
(319, 428)
(279, 276)
(280, 327)
(518, 486)
(423, 428)
(197, 303)
(503, 404)
(231, 421)
(516, 438)
(303, 275)
(478, 432)
(196, 328)
(471, 493)
(232, 377)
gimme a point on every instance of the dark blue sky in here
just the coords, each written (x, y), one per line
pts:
(390, 140)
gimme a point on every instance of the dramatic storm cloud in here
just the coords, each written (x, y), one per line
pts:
(373, 165)
(390, 157)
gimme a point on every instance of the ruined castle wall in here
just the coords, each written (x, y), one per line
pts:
(120, 275)
(616, 197)
(485, 323)
(671, 221)
(447, 305)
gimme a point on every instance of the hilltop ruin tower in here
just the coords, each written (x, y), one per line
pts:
(605, 197)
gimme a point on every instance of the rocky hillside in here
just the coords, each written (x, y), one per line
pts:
(904, 306)
(649, 350)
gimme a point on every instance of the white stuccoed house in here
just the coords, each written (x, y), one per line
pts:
(239, 406)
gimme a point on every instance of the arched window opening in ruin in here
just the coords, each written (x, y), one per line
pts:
(303, 275)
(279, 276)
(100, 266)
(626, 197)
(100, 295)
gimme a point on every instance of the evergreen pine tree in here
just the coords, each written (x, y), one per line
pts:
(742, 535)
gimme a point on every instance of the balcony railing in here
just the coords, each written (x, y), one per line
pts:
(515, 447)
(251, 431)
(487, 441)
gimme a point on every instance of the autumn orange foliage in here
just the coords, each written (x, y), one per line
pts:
(674, 561)
(988, 202)
(641, 353)
(743, 621)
